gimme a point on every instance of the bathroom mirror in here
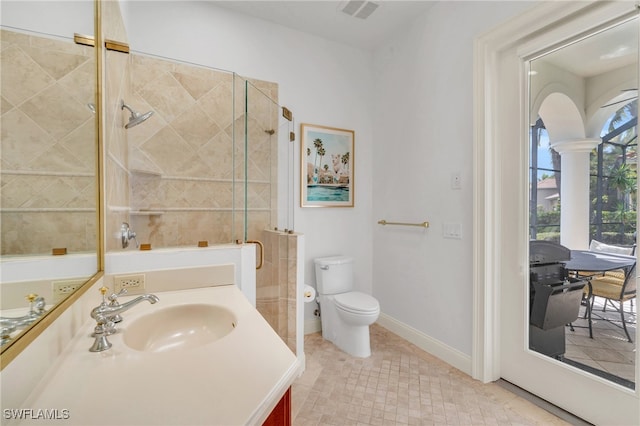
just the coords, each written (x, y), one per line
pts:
(583, 163)
(49, 196)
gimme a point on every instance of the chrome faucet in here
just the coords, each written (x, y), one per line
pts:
(10, 324)
(106, 314)
(113, 301)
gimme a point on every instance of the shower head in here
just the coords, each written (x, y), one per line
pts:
(135, 118)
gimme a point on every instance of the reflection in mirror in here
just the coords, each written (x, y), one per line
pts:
(583, 203)
(48, 213)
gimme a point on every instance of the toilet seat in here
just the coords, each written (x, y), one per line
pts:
(357, 303)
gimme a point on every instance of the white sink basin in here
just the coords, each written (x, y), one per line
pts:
(179, 327)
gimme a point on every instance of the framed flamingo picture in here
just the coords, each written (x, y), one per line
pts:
(326, 166)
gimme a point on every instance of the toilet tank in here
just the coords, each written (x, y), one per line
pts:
(334, 274)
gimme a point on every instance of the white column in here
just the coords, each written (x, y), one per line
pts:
(574, 191)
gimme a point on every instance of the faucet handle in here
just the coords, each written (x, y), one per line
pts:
(127, 234)
(114, 296)
(113, 301)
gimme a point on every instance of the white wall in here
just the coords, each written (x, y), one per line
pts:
(410, 106)
(60, 18)
(423, 127)
(322, 82)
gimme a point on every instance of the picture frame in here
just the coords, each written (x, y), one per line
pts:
(326, 166)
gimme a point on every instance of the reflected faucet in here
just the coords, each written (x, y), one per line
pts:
(106, 313)
(10, 324)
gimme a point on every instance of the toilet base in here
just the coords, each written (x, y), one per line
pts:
(347, 330)
(354, 340)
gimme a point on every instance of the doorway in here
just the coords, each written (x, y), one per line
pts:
(583, 180)
(501, 200)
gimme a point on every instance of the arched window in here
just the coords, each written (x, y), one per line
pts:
(544, 195)
(613, 172)
(613, 182)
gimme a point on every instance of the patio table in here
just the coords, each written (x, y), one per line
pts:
(595, 261)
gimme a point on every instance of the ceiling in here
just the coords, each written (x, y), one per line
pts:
(603, 52)
(609, 50)
(327, 20)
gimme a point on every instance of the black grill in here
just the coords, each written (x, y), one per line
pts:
(554, 297)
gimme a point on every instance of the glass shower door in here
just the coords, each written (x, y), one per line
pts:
(265, 163)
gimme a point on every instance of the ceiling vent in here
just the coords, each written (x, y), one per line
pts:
(360, 8)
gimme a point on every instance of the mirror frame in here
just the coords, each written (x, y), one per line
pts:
(14, 348)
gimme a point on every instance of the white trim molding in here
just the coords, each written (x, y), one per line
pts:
(500, 212)
(538, 29)
(446, 353)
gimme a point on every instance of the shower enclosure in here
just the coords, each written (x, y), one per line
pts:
(211, 166)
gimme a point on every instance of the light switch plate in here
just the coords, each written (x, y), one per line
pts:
(452, 230)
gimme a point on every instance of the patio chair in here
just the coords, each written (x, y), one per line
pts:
(616, 287)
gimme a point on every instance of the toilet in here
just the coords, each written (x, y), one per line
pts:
(345, 314)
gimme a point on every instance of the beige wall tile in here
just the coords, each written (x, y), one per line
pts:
(21, 76)
(167, 96)
(195, 127)
(217, 105)
(58, 59)
(56, 112)
(22, 139)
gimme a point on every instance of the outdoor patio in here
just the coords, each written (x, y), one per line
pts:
(608, 354)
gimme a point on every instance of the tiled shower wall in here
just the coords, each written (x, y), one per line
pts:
(47, 145)
(179, 178)
(276, 284)
(185, 174)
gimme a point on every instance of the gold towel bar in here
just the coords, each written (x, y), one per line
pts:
(422, 225)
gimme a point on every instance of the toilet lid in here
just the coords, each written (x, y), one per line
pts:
(355, 301)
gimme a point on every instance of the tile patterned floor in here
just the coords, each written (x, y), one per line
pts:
(609, 349)
(400, 384)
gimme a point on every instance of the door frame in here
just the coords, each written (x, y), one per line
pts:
(494, 217)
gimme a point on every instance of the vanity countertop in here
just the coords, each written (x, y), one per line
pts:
(235, 380)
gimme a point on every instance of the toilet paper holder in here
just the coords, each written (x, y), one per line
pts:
(308, 294)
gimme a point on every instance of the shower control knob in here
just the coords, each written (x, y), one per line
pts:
(127, 234)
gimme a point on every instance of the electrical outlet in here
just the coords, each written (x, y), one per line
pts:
(133, 283)
(62, 289)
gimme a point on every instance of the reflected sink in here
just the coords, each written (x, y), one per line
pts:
(179, 327)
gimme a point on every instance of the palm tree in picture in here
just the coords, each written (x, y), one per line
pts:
(317, 144)
(309, 177)
(321, 153)
(345, 161)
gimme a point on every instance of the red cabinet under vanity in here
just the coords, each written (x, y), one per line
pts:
(281, 414)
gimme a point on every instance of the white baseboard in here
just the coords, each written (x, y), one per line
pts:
(312, 326)
(435, 347)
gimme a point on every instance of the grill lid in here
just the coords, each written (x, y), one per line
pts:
(541, 251)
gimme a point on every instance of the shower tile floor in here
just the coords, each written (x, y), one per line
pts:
(400, 384)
